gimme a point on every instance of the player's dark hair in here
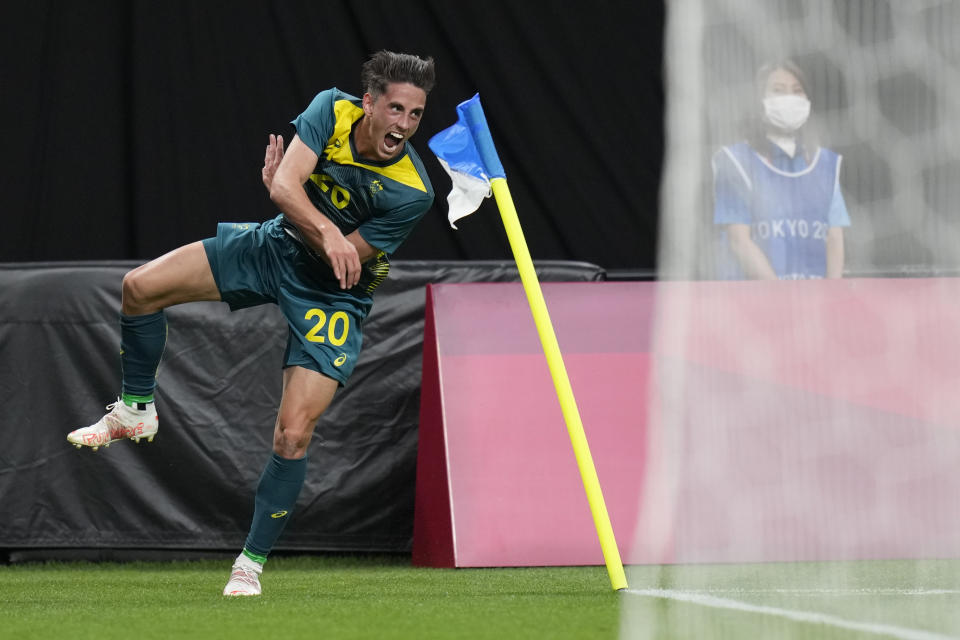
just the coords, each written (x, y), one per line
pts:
(385, 67)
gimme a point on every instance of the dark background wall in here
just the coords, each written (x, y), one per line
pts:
(130, 127)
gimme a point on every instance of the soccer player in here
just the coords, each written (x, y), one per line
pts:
(351, 188)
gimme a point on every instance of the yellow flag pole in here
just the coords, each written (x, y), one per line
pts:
(561, 382)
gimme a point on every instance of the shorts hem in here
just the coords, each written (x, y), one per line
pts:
(317, 368)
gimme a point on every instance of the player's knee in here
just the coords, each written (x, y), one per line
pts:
(135, 299)
(292, 436)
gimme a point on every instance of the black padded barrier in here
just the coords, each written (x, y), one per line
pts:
(192, 488)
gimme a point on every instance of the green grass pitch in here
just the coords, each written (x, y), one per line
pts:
(384, 597)
(304, 597)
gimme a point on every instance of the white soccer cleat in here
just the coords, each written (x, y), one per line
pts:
(244, 579)
(122, 422)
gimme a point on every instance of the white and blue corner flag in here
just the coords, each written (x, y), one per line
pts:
(467, 153)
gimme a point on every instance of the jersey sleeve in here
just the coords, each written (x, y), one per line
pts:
(731, 190)
(387, 232)
(315, 125)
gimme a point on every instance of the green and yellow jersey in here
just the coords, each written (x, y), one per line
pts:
(383, 200)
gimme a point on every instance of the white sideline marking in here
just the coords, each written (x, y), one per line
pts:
(800, 616)
(887, 591)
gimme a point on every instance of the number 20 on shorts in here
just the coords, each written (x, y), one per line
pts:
(337, 329)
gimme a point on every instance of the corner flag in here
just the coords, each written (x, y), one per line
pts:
(467, 153)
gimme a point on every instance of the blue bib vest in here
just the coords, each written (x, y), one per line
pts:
(788, 212)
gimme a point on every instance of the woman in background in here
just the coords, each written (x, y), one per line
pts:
(777, 194)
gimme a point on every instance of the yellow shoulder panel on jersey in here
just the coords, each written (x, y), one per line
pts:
(338, 149)
(338, 146)
(403, 172)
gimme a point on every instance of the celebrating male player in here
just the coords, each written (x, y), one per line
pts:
(351, 189)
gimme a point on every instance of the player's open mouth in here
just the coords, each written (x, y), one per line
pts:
(391, 141)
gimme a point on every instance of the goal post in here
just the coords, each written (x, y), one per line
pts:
(811, 421)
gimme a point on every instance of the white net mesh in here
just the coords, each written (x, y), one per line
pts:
(882, 78)
(808, 426)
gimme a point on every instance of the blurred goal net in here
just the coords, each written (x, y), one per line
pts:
(809, 422)
(884, 92)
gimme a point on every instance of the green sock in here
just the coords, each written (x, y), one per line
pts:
(129, 399)
(254, 556)
(277, 493)
(142, 339)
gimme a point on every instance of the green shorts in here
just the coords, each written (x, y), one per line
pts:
(254, 263)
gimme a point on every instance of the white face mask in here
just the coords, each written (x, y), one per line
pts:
(786, 112)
